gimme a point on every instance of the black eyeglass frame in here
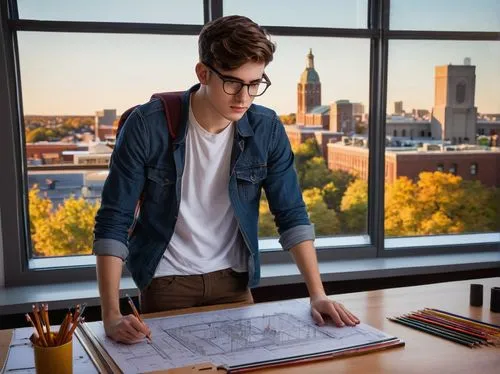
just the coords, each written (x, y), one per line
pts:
(226, 78)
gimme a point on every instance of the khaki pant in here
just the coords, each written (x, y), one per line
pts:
(186, 291)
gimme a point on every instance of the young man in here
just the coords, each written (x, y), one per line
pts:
(196, 239)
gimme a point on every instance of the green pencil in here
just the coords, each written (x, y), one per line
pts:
(432, 332)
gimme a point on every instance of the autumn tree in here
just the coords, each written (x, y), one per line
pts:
(288, 119)
(39, 209)
(66, 231)
(354, 207)
(439, 203)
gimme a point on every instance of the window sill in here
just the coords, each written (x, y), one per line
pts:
(19, 299)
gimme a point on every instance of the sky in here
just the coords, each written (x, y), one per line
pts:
(74, 73)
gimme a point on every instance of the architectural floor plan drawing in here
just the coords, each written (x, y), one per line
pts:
(235, 338)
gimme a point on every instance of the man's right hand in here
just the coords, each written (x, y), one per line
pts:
(126, 329)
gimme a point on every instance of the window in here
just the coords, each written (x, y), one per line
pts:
(71, 89)
(473, 168)
(68, 126)
(460, 93)
(322, 13)
(445, 15)
(457, 82)
(150, 11)
(335, 193)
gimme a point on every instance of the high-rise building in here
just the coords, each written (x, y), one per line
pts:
(398, 108)
(308, 89)
(454, 114)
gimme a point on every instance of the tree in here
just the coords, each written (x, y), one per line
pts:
(66, 231)
(354, 207)
(439, 203)
(314, 174)
(39, 209)
(36, 135)
(267, 226)
(400, 207)
(288, 119)
(334, 191)
(326, 221)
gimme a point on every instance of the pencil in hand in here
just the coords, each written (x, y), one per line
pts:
(136, 314)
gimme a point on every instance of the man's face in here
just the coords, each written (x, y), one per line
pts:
(232, 107)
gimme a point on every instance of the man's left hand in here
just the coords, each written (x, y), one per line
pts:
(322, 307)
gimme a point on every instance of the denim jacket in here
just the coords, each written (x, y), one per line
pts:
(147, 161)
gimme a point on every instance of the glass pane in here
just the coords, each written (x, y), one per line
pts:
(147, 11)
(445, 15)
(320, 90)
(442, 146)
(320, 13)
(70, 82)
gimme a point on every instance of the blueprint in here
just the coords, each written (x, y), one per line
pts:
(234, 338)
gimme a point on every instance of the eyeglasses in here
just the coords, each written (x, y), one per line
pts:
(231, 86)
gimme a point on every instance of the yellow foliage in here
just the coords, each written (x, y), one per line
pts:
(66, 231)
(439, 203)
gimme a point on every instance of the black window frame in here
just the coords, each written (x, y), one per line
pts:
(13, 190)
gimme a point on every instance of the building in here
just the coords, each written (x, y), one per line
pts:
(41, 153)
(308, 90)
(407, 127)
(468, 162)
(454, 114)
(341, 118)
(97, 154)
(105, 117)
(398, 108)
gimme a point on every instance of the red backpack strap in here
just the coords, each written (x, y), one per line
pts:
(123, 118)
(172, 103)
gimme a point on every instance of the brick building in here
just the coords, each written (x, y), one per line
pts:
(470, 164)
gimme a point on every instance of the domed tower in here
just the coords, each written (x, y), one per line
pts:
(308, 89)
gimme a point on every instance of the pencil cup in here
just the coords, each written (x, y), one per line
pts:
(53, 360)
(476, 294)
(495, 300)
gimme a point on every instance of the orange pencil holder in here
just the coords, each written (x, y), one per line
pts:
(55, 359)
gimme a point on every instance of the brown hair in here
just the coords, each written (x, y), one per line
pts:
(231, 41)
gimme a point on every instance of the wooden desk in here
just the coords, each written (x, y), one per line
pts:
(423, 353)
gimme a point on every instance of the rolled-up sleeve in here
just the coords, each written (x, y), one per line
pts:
(296, 235)
(110, 247)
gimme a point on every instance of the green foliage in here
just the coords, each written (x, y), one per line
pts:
(354, 207)
(326, 221)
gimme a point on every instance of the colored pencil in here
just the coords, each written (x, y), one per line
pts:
(136, 314)
(444, 336)
(496, 327)
(447, 327)
(442, 330)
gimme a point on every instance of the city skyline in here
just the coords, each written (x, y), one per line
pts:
(92, 69)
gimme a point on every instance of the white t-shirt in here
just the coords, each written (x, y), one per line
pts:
(206, 236)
